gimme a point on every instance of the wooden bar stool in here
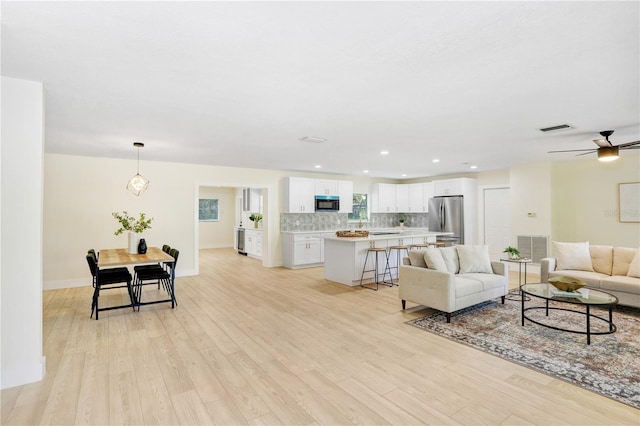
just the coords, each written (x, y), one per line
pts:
(375, 252)
(418, 246)
(398, 250)
(437, 244)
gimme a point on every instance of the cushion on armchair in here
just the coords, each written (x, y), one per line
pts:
(450, 256)
(433, 258)
(575, 256)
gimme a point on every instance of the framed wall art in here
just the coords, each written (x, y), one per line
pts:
(208, 210)
(629, 201)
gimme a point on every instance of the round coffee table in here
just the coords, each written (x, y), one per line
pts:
(585, 297)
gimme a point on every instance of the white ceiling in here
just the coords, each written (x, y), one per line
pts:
(239, 83)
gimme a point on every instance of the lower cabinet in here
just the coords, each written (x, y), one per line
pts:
(302, 250)
(253, 243)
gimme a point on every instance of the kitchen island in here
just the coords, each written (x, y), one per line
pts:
(344, 257)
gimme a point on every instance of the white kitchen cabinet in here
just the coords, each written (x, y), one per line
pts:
(253, 243)
(345, 191)
(427, 194)
(416, 198)
(326, 187)
(402, 198)
(458, 186)
(302, 250)
(383, 198)
(299, 195)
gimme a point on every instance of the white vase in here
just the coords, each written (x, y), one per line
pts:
(133, 243)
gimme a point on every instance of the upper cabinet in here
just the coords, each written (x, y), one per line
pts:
(345, 191)
(252, 200)
(326, 187)
(459, 186)
(383, 198)
(299, 195)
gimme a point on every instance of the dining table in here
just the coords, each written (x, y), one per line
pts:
(109, 258)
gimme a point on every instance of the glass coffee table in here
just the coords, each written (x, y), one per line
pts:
(584, 297)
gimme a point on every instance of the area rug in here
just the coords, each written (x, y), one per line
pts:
(609, 366)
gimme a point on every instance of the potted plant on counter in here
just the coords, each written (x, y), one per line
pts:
(255, 218)
(401, 220)
(134, 227)
(513, 252)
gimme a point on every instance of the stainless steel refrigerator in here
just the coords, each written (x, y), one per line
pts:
(446, 215)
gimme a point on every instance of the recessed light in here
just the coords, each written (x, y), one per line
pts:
(365, 171)
(435, 160)
(473, 166)
(404, 175)
(318, 166)
(385, 152)
(312, 139)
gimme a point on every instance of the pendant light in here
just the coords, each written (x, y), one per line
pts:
(138, 184)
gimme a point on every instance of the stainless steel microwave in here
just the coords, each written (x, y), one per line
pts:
(327, 203)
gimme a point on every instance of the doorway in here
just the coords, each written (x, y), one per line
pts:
(497, 220)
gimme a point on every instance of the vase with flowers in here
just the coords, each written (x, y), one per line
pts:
(134, 227)
(255, 218)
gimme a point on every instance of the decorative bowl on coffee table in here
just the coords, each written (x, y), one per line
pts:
(564, 283)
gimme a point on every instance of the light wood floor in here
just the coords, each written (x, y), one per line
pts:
(252, 345)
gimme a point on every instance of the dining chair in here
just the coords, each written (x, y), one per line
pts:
(107, 279)
(160, 274)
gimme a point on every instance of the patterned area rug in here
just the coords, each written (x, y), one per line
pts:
(609, 366)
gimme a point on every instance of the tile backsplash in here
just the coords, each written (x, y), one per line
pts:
(335, 221)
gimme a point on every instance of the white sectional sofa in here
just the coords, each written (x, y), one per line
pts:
(615, 270)
(451, 278)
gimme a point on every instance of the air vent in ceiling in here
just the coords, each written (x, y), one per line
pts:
(554, 128)
(313, 139)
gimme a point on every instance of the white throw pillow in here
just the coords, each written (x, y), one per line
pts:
(434, 260)
(416, 258)
(450, 256)
(474, 259)
(575, 256)
(634, 268)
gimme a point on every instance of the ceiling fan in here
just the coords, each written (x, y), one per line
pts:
(606, 150)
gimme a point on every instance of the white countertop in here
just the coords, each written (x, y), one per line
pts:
(389, 235)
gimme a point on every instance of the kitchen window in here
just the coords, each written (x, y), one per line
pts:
(360, 209)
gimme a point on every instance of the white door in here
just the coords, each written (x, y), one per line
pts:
(497, 221)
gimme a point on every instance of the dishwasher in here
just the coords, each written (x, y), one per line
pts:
(240, 242)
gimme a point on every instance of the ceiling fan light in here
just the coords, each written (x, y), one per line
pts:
(137, 184)
(608, 153)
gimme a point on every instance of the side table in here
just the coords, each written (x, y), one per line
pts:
(520, 261)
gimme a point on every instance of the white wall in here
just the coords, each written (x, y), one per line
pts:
(218, 234)
(530, 193)
(21, 229)
(585, 200)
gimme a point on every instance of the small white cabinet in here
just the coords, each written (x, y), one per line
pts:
(252, 200)
(302, 250)
(403, 202)
(299, 195)
(326, 187)
(452, 186)
(253, 243)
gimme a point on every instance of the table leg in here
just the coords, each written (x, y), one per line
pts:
(547, 308)
(610, 319)
(522, 307)
(588, 326)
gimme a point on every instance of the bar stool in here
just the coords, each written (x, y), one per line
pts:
(437, 244)
(418, 246)
(398, 250)
(375, 251)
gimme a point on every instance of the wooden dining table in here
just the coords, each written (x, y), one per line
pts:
(109, 258)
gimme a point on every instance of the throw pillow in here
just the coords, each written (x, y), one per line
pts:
(416, 258)
(433, 258)
(601, 258)
(450, 256)
(575, 256)
(474, 259)
(622, 258)
(634, 268)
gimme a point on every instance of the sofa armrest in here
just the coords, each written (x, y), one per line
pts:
(547, 265)
(500, 268)
(427, 287)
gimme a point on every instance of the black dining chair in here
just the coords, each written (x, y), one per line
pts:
(108, 279)
(160, 274)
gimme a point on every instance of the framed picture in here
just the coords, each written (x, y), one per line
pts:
(629, 198)
(208, 210)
